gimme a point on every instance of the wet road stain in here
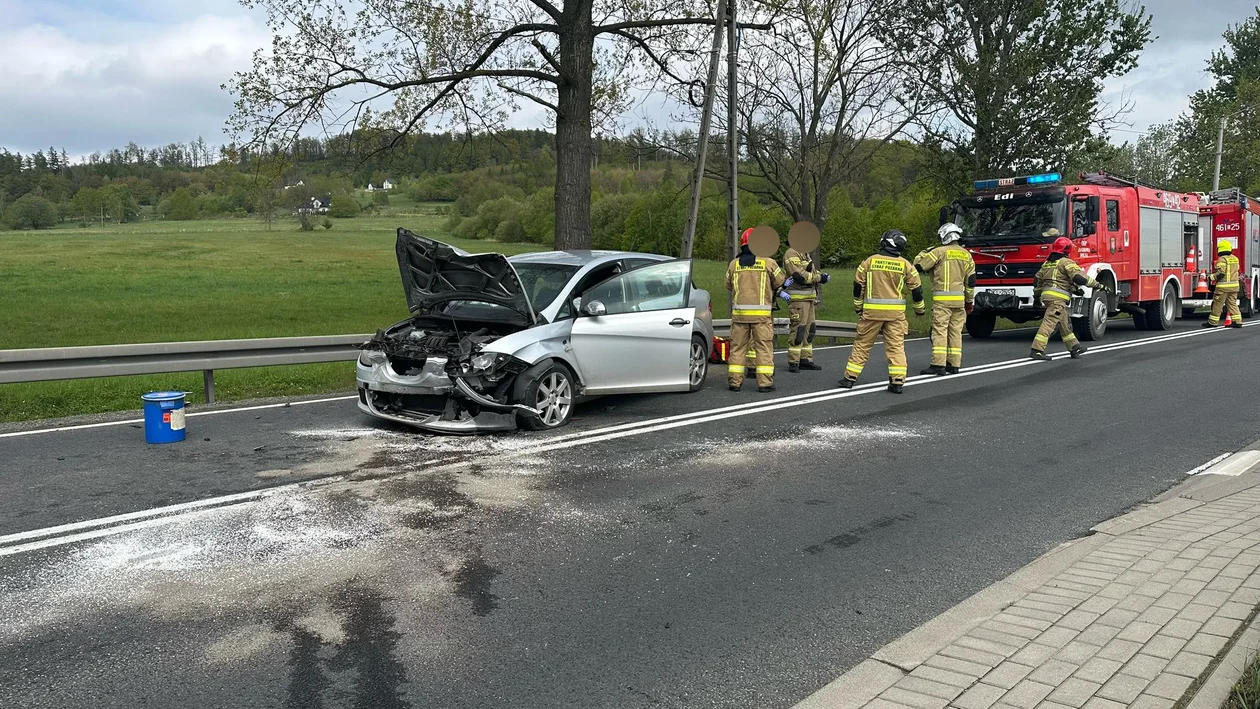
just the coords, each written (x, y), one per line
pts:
(472, 581)
(857, 534)
(365, 656)
(369, 649)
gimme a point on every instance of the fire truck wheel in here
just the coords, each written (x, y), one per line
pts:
(1161, 313)
(980, 325)
(1092, 327)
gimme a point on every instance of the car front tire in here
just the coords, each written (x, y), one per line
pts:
(551, 391)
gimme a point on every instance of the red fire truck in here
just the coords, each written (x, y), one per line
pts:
(1231, 216)
(1132, 236)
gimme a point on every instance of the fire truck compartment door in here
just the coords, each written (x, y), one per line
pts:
(1148, 239)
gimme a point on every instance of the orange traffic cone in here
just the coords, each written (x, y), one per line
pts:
(1228, 322)
(1202, 285)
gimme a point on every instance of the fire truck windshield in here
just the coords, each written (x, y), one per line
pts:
(989, 221)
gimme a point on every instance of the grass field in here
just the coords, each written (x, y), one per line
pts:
(218, 279)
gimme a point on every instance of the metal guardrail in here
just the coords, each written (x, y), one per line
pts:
(58, 363)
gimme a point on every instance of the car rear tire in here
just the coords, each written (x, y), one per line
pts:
(698, 369)
(552, 392)
(980, 325)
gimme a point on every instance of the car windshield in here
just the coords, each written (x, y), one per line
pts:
(1014, 221)
(544, 282)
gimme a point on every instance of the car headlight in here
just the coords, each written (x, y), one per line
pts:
(486, 361)
(371, 358)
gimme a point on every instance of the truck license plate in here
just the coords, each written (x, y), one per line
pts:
(1000, 291)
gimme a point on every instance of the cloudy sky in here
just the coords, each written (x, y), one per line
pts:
(90, 75)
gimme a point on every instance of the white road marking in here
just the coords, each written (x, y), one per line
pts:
(1232, 465)
(215, 412)
(172, 513)
(1210, 463)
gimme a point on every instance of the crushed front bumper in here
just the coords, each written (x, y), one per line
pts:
(442, 406)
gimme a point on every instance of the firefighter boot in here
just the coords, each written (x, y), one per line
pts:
(1077, 351)
(847, 383)
(765, 390)
(936, 369)
(1236, 324)
(895, 388)
(1209, 324)
(808, 365)
(732, 387)
(952, 369)
(794, 367)
(1039, 355)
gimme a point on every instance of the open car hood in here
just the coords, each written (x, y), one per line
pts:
(434, 273)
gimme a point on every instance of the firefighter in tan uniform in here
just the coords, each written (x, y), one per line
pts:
(1059, 278)
(953, 294)
(802, 295)
(753, 281)
(1225, 287)
(879, 298)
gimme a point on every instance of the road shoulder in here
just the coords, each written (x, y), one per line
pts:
(1153, 608)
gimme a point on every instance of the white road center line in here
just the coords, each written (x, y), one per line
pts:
(176, 513)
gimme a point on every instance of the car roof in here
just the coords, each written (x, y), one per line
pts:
(578, 258)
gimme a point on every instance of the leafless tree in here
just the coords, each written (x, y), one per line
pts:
(469, 62)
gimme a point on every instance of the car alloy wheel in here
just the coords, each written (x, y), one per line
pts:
(699, 364)
(555, 398)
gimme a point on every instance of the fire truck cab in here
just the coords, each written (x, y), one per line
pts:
(1128, 235)
(1229, 215)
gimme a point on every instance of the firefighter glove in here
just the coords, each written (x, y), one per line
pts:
(969, 307)
(785, 295)
(826, 277)
(788, 282)
(1106, 288)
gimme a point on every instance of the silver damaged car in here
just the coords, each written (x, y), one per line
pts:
(494, 342)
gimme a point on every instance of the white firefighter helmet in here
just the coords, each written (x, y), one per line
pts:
(949, 233)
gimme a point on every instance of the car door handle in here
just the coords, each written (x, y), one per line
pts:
(679, 322)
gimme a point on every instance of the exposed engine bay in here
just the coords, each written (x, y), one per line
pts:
(410, 346)
(443, 355)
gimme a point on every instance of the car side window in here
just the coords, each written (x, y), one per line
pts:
(596, 276)
(661, 286)
(1113, 215)
(632, 263)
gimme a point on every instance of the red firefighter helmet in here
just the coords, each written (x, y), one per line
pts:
(1061, 245)
(743, 239)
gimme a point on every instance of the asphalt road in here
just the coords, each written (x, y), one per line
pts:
(706, 550)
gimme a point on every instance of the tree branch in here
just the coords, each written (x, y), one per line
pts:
(525, 94)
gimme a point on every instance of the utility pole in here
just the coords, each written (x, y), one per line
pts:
(706, 118)
(732, 133)
(1220, 144)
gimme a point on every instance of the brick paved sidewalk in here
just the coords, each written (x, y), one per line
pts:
(1137, 619)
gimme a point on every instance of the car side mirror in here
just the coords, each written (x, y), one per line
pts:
(577, 305)
(1092, 209)
(595, 309)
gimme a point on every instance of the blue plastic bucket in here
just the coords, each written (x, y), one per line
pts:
(164, 417)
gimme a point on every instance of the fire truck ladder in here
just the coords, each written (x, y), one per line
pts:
(1105, 179)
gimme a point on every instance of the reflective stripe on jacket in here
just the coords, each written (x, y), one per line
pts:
(805, 277)
(1226, 275)
(884, 282)
(753, 288)
(953, 274)
(1054, 279)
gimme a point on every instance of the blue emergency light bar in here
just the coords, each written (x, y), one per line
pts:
(1048, 178)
